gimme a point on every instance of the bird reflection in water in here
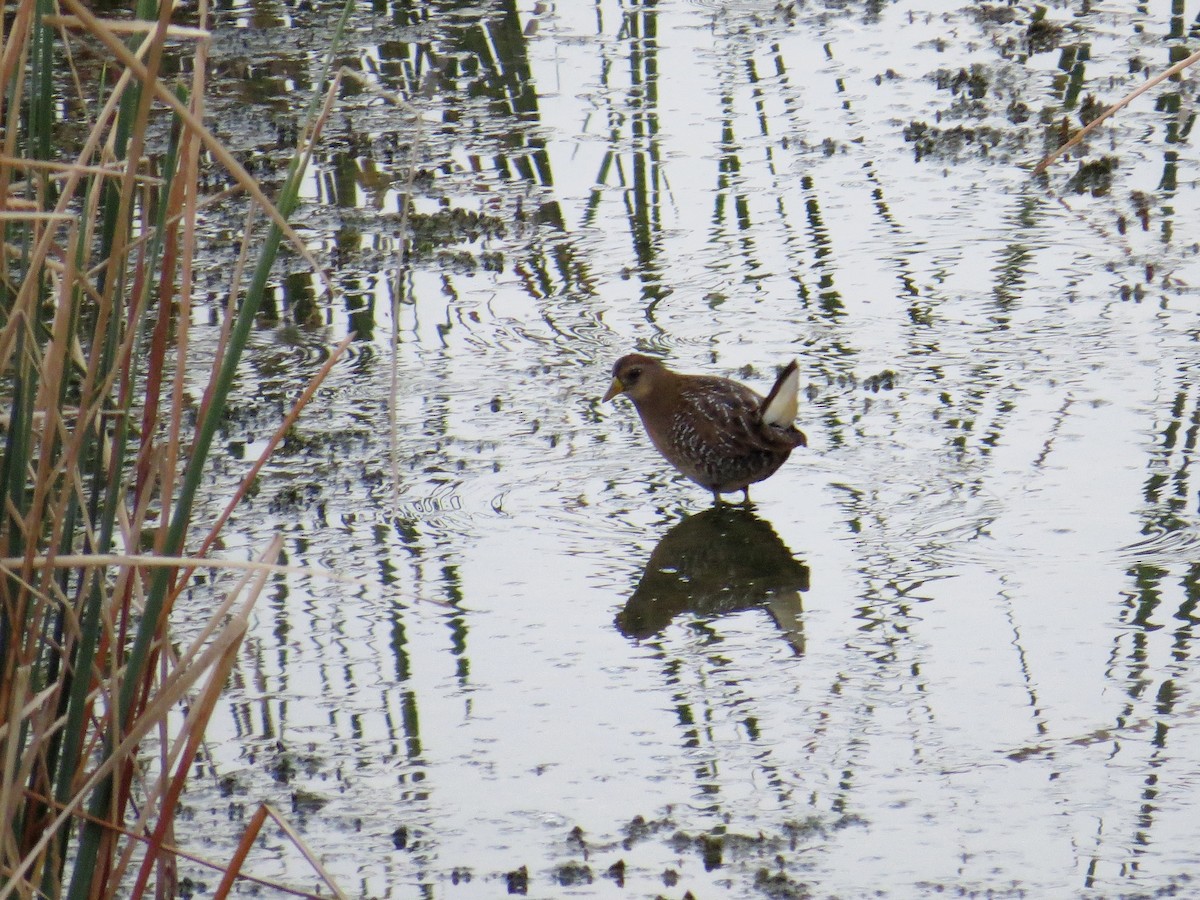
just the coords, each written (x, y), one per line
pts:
(720, 561)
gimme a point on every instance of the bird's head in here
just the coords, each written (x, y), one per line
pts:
(637, 376)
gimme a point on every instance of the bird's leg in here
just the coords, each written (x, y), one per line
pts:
(746, 495)
(716, 497)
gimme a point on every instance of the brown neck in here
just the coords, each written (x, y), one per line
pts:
(655, 406)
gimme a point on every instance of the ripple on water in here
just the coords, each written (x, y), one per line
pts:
(1162, 548)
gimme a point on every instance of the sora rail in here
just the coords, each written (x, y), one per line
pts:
(717, 432)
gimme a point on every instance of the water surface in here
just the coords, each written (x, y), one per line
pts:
(953, 653)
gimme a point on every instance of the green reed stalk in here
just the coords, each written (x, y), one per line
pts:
(286, 204)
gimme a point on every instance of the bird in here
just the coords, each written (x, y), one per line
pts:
(718, 432)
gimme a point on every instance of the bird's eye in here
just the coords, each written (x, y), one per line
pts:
(633, 375)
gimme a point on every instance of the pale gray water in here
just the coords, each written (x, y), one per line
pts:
(987, 686)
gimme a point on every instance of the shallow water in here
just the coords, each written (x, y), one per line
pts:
(950, 648)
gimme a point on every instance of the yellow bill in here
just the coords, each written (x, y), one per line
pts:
(613, 389)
